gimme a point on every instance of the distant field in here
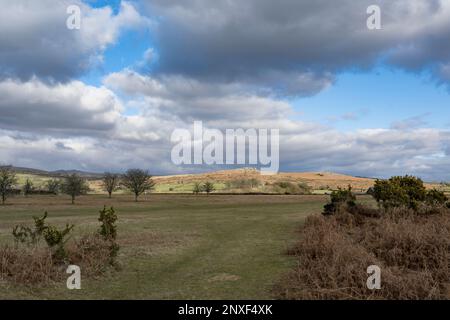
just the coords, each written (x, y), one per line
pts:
(176, 246)
(38, 180)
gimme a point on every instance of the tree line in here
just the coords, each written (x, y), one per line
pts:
(137, 181)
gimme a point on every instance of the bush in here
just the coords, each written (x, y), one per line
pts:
(37, 265)
(197, 188)
(435, 198)
(284, 187)
(305, 188)
(208, 187)
(333, 254)
(243, 184)
(406, 191)
(91, 253)
(25, 235)
(31, 263)
(108, 230)
(56, 239)
(338, 199)
(27, 265)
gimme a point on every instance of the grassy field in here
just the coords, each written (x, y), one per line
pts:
(175, 246)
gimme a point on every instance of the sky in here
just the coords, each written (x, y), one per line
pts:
(107, 96)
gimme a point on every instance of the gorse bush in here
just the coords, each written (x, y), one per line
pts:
(408, 237)
(26, 235)
(286, 187)
(54, 237)
(435, 198)
(333, 254)
(406, 191)
(339, 198)
(31, 263)
(108, 230)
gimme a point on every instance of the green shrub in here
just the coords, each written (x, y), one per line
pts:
(108, 230)
(208, 187)
(284, 187)
(38, 264)
(435, 198)
(243, 184)
(197, 188)
(25, 235)
(339, 198)
(399, 191)
(56, 240)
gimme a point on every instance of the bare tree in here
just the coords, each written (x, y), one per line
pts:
(28, 188)
(74, 185)
(138, 181)
(7, 181)
(53, 186)
(110, 182)
(208, 187)
(197, 188)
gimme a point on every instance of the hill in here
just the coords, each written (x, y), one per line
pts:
(248, 176)
(246, 180)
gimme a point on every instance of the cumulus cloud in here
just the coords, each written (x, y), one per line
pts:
(190, 99)
(35, 41)
(71, 108)
(281, 43)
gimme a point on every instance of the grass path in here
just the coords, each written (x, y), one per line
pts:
(177, 246)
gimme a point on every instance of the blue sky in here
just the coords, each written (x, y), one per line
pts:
(378, 98)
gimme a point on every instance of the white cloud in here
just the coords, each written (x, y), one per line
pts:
(73, 107)
(35, 41)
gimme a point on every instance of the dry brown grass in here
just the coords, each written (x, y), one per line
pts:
(28, 266)
(412, 250)
(35, 265)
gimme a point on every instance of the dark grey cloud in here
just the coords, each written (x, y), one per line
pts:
(272, 43)
(189, 99)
